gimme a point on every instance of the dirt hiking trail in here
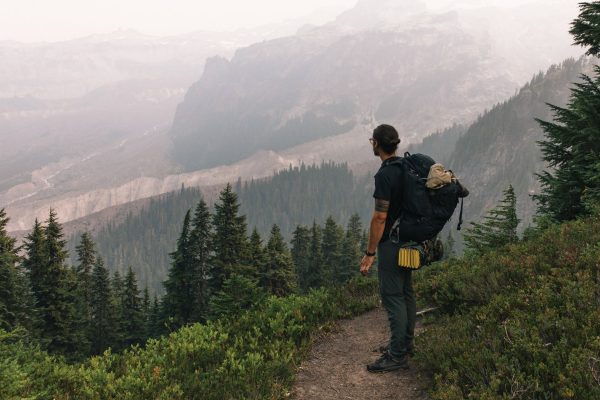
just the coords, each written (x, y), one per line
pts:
(336, 366)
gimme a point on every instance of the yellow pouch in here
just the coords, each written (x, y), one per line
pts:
(410, 257)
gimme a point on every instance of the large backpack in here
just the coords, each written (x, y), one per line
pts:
(424, 211)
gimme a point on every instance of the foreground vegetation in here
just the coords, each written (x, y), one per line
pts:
(518, 322)
(249, 356)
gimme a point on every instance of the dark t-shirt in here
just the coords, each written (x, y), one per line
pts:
(388, 187)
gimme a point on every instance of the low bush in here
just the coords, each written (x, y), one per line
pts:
(250, 356)
(520, 322)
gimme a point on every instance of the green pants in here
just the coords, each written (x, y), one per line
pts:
(398, 297)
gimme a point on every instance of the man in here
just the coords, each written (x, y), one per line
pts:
(395, 283)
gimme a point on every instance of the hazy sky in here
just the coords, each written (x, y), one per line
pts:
(50, 20)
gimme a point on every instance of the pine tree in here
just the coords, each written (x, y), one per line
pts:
(301, 255)
(586, 27)
(572, 144)
(178, 301)
(133, 317)
(278, 276)
(239, 293)
(103, 329)
(333, 236)
(229, 241)
(154, 327)
(64, 326)
(498, 228)
(351, 250)
(55, 289)
(146, 311)
(117, 288)
(314, 278)
(86, 259)
(200, 256)
(36, 259)
(257, 255)
(15, 302)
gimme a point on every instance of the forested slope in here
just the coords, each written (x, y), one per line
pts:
(296, 196)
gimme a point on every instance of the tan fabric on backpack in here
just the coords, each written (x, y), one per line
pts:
(438, 177)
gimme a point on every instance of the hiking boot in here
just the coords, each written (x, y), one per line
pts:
(387, 363)
(410, 349)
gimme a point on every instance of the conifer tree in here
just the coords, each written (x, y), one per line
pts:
(200, 256)
(55, 289)
(178, 301)
(103, 329)
(229, 240)
(35, 259)
(146, 310)
(278, 276)
(257, 255)
(498, 228)
(15, 302)
(586, 27)
(333, 236)
(86, 259)
(239, 293)
(314, 278)
(133, 317)
(154, 328)
(572, 143)
(117, 288)
(301, 255)
(351, 250)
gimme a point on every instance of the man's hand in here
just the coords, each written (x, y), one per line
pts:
(366, 264)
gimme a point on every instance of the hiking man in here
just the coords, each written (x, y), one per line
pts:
(395, 284)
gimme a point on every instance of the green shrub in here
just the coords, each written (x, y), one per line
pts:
(252, 355)
(519, 322)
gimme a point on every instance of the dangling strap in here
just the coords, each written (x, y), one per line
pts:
(460, 217)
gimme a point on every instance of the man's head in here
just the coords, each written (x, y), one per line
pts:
(385, 140)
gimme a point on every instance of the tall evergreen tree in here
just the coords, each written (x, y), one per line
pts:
(55, 289)
(35, 259)
(239, 293)
(498, 228)
(146, 311)
(586, 27)
(314, 273)
(15, 303)
(103, 329)
(154, 327)
(200, 257)
(301, 255)
(257, 257)
(333, 235)
(351, 250)
(178, 301)
(278, 275)
(133, 316)
(86, 260)
(117, 288)
(572, 144)
(229, 241)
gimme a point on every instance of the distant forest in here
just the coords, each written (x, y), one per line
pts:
(295, 196)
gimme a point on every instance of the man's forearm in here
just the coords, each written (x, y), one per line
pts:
(375, 233)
